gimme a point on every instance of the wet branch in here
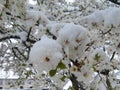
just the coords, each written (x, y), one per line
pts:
(115, 2)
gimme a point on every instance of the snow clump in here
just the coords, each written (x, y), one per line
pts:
(73, 38)
(45, 54)
(104, 18)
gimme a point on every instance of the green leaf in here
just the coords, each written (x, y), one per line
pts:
(61, 65)
(94, 68)
(7, 4)
(24, 64)
(71, 88)
(63, 78)
(90, 43)
(29, 73)
(1, 16)
(52, 72)
(97, 57)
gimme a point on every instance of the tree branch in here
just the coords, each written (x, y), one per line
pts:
(9, 37)
(20, 53)
(115, 2)
(54, 37)
(16, 54)
(15, 37)
(112, 56)
(75, 83)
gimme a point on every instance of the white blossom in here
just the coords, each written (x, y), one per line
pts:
(75, 38)
(45, 54)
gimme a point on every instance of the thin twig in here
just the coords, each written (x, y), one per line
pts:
(112, 56)
(102, 80)
(9, 37)
(115, 2)
(20, 53)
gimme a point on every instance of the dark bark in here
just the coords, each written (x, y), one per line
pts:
(16, 37)
(76, 84)
(9, 37)
(115, 2)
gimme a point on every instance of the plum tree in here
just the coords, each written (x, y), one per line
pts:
(54, 42)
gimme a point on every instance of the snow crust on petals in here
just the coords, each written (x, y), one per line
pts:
(96, 17)
(55, 27)
(33, 16)
(111, 18)
(73, 38)
(45, 54)
(104, 18)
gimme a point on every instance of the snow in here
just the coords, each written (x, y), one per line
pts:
(22, 35)
(33, 17)
(105, 17)
(69, 84)
(73, 37)
(37, 15)
(111, 18)
(45, 54)
(106, 24)
(54, 27)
